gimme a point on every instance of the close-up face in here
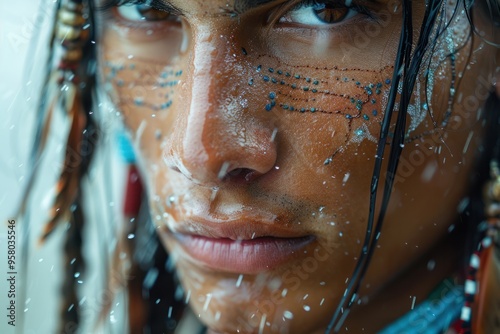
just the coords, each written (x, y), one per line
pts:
(256, 126)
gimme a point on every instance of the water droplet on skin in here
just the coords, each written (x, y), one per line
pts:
(346, 177)
(288, 315)
(76, 275)
(215, 190)
(307, 308)
(131, 236)
(171, 200)
(244, 103)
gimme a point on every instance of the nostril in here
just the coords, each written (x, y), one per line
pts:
(241, 175)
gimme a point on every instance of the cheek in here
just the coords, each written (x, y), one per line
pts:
(143, 86)
(453, 84)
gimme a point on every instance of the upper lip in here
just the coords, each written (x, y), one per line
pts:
(241, 227)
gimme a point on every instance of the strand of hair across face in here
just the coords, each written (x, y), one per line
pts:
(336, 320)
(410, 76)
(411, 66)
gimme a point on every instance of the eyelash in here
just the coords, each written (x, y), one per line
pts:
(310, 3)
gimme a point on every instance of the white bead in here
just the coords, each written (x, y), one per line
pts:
(486, 242)
(470, 287)
(474, 261)
(465, 315)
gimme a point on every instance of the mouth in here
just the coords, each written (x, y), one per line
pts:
(239, 247)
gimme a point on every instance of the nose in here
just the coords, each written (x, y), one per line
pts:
(217, 137)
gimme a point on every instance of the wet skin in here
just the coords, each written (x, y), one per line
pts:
(244, 125)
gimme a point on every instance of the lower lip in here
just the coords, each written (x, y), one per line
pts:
(242, 256)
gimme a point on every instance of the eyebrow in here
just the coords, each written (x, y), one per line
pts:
(165, 5)
(240, 6)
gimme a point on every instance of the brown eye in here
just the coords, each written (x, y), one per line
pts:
(318, 14)
(332, 15)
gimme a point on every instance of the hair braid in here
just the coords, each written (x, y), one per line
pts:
(71, 83)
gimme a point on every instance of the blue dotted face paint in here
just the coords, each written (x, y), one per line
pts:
(139, 85)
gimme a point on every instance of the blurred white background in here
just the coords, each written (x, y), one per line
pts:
(21, 64)
(25, 28)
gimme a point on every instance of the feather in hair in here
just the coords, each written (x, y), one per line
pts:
(68, 184)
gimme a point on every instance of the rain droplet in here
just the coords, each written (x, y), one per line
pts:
(223, 170)
(207, 301)
(238, 282)
(346, 177)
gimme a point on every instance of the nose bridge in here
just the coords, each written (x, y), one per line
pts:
(214, 135)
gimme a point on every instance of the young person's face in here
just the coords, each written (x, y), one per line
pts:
(256, 128)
